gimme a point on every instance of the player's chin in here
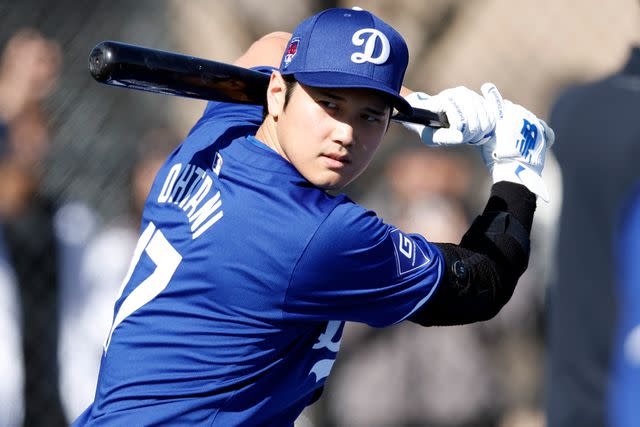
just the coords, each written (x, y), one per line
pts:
(332, 180)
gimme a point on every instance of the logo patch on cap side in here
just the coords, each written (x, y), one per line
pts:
(291, 51)
(370, 46)
(409, 256)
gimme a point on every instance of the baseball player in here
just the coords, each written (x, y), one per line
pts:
(246, 269)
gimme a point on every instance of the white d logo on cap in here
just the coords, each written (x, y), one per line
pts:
(369, 47)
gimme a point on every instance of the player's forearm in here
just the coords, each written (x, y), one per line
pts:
(268, 50)
(482, 271)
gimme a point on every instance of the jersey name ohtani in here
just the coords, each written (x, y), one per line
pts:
(190, 188)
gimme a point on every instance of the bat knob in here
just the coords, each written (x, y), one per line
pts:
(101, 62)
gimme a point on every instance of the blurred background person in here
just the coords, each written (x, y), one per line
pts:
(96, 257)
(598, 131)
(29, 69)
(61, 264)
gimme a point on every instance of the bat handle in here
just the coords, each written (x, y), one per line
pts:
(424, 117)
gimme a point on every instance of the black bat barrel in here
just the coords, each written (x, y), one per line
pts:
(136, 67)
(157, 71)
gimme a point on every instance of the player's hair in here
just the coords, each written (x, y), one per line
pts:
(290, 83)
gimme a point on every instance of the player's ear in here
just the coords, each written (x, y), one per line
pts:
(276, 94)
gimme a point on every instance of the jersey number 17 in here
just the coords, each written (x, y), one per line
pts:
(166, 260)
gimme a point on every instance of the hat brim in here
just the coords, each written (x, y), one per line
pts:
(332, 79)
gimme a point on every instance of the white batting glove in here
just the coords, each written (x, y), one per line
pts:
(517, 151)
(469, 120)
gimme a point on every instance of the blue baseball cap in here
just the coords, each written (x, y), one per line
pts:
(348, 48)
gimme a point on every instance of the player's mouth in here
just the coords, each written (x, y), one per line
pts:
(336, 161)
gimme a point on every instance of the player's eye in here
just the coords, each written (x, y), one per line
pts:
(371, 118)
(330, 105)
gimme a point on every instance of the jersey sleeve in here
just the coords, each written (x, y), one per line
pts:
(357, 268)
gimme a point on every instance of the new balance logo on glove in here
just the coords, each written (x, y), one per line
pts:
(529, 134)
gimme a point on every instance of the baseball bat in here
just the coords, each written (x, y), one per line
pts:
(157, 71)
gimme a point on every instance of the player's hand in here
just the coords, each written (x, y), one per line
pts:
(469, 120)
(517, 151)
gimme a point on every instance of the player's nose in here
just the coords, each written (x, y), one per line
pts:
(343, 133)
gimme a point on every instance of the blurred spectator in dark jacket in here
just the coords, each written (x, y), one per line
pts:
(28, 72)
(598, 134)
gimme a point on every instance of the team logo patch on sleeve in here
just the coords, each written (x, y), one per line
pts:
(409, 256)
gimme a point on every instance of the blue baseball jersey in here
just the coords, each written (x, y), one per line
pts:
(233, 308)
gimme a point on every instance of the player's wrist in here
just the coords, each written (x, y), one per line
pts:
(516, 153)
(515, 199)
(520, 173)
